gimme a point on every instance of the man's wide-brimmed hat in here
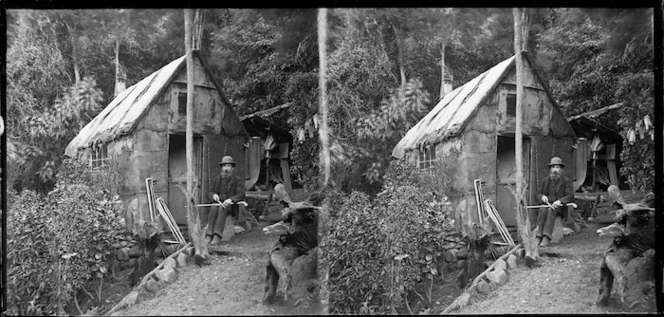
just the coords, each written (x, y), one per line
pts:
(227, 160)
(556, 161)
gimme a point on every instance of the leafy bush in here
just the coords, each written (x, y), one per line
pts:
(379, 249)
(59, 242)
(30, 268)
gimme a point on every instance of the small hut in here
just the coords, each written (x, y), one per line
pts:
(143, 128)
(602, 148)
(471, 131)
(268, 154)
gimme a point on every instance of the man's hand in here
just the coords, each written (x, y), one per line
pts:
(545, 199)
(227, 203)
(215, 197)
(556, 204)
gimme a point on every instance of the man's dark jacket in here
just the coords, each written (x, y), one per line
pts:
(560, 189)
(232, 187)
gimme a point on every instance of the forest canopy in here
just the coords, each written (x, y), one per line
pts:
(385, 72)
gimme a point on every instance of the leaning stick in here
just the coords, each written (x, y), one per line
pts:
(500, 219)
(478, 278)
(123, 303)
(478, 201)
(495, 216)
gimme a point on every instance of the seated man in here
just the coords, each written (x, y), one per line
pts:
(227, 189)
(558, 189)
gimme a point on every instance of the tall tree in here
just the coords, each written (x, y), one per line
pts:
(528, 238)
(322, 60)
(193, 218)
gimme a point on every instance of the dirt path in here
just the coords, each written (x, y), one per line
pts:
(566, 282)
(232, 285)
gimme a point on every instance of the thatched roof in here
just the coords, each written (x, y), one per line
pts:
(449, 117)
(123, 114)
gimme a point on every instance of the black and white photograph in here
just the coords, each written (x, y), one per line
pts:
(314, 161)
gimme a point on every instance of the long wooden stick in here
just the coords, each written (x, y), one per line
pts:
(549, 205)
(144, 280)
(496, 222)
(478, 201)
(454, 304)
(168, 217)
(219, 204)
(502, 229)
(503, 257)
(148, 181)
(500, 219)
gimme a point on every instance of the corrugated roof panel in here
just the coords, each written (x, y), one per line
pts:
(451, 114)
(122, 114)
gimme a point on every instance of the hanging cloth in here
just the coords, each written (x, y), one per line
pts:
(269, 145)
(253, 162)
(595, 146)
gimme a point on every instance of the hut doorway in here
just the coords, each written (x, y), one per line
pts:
(506, 176)
(177, 173)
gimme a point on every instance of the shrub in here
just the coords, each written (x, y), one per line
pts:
(59, 242)
(379, 249)
(30, 270)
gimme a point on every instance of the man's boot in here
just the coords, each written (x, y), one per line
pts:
(208, 238)
(216, 240)
(545, 242)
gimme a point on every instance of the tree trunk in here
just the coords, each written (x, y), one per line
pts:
(324, 158)
(193, 219)
(73, 37)
(527, 236)
(443, 43)
(199, 21)
(119, 77)
(402, 70)
(324, 142)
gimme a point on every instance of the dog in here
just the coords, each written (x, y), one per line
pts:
(634, 233)
(298, 232)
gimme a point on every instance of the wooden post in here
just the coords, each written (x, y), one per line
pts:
(523, 223)
(193, 219)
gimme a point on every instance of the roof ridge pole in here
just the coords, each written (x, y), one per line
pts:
(527, 236)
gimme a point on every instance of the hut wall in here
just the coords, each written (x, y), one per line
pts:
(144, 154)
(471, 155)
(221, 130)
(537, 111)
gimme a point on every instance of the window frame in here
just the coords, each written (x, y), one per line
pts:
(182, 106)
(427, 157)
(99, 156)
(509, 113)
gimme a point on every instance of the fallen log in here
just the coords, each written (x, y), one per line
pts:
(125, 301)
(464, 295)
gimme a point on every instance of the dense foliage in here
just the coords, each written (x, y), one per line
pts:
(58, 242)
(600, 57)
(379, 249)
(384, 74)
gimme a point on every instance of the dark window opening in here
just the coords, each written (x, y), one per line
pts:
(511, 105)
(182, 103)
